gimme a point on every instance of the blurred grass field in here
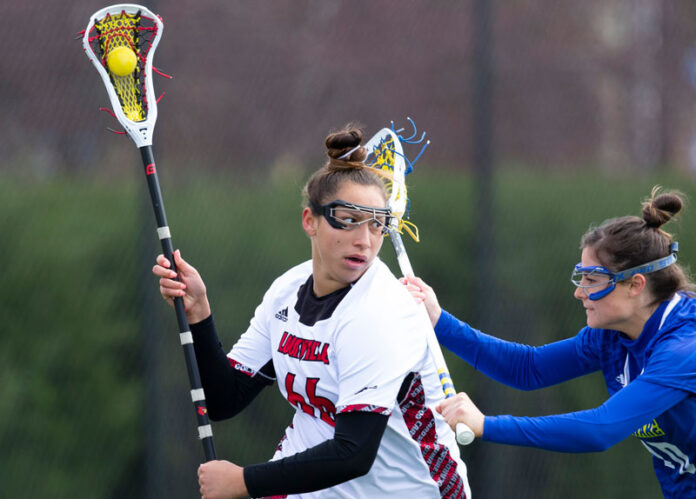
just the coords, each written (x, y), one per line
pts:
(95, 388)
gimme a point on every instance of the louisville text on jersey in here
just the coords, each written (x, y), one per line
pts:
(303, 349)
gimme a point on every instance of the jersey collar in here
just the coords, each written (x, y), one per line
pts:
(652, 326)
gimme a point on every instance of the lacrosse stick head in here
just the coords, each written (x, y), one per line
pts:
(132, 96)
(385, 153)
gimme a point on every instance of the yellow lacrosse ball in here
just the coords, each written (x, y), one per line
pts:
(121, 61)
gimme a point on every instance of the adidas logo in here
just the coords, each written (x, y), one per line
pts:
(282, 315)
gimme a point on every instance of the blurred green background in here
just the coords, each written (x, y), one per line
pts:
(95, 394)
(546, 117)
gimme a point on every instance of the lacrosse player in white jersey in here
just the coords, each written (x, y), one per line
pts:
(346, 344)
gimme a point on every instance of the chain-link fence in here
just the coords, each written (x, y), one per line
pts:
(544, 117)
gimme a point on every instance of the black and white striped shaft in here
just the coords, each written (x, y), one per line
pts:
(205, 432)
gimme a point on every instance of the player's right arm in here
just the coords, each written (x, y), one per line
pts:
(516, 365)
(228, 389)
(520, 366)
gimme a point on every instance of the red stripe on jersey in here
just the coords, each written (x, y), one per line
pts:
(420, 422)
(366, 408)
(241, 367)
(283, 439)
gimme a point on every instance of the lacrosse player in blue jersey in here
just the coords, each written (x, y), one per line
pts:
(641, 333)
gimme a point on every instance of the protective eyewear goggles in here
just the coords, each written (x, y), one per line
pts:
(347, 216)
(594, 276)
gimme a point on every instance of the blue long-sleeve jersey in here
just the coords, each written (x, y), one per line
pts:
(651, 383)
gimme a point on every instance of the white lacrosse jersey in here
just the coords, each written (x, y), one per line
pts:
(357, 359)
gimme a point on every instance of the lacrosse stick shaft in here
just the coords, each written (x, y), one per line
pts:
(205, 432)
(464, 434)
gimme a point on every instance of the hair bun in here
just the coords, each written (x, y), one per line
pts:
(340, 143)
(659, 209)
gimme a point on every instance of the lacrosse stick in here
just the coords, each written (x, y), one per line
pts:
(385, 153)
(135, 30)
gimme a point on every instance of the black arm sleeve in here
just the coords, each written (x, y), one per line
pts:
(227, 390)
(348, 455)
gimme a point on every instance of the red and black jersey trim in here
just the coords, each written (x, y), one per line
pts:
(375, 409)
(238, 366)
(420, 422)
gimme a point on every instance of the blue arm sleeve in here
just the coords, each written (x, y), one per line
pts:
(593, 430)
(519, 366)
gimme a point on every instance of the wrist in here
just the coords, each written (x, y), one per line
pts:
(198, 312)
(435, 314)
(242, 481)
(481, 427)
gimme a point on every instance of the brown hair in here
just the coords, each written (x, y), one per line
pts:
(626, 242)
(325, 182)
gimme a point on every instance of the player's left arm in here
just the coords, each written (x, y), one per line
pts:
(520, 366)
(350, 454)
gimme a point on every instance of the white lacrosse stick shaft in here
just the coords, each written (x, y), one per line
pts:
(464, 434)
(385, 152)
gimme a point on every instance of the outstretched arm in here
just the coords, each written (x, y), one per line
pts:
(516, 365)
(592, 430)
(520, 366)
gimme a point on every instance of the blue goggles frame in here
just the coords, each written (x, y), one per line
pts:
(615, 277)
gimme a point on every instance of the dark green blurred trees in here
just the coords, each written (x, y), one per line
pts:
(90, 407)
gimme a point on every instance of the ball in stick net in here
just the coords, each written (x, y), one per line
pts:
(121, 61)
